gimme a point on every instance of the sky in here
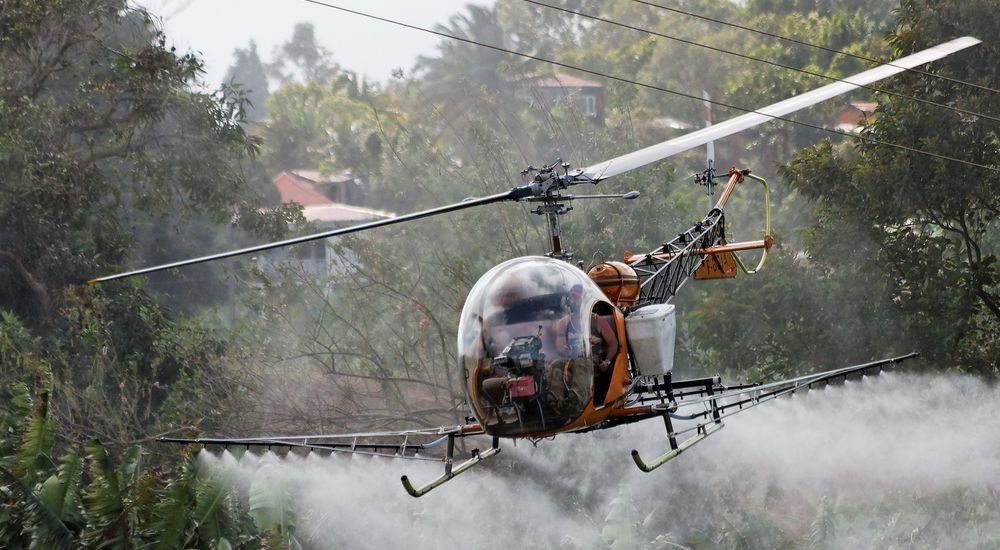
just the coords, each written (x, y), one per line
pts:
(215, 28)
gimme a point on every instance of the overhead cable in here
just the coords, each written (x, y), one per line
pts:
(762, 60)
(649, 86)
(812, 45)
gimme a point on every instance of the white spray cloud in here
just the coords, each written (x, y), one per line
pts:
(885, 458)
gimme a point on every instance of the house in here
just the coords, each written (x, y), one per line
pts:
(854, 115)
(316, 193)
(308, 187)
(326, 200)
(586, 95)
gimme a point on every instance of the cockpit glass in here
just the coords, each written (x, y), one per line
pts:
(524, 345)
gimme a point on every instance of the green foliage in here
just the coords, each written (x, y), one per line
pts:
(926, 227)
(312, 125)
(172, 513)
(62, 491)
(112, 502)
(303, 59)
(198, 508)
(839, 32)
(625, 527)
(248, 73)
(40, 527)
(822, 530)
(216, 515)
(37, 439)
(113, 499)
(108, 156)
(269, 503)
(125, 368)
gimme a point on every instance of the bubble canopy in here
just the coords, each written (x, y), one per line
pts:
(524, 345)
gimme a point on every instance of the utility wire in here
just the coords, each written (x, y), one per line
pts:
(651, 86)
(762, 60)
(812, 45)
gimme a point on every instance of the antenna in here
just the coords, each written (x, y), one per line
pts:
(709, 174)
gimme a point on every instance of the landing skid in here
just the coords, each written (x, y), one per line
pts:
(676, 449)
(667, 409)
(449, 471)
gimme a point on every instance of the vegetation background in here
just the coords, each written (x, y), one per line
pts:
(111, 159)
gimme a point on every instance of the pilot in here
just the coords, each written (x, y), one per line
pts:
(603, 341)
(502, 303)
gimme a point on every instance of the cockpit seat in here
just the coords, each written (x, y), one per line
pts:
(495, 389)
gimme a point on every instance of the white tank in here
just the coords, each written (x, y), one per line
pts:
(651, 330)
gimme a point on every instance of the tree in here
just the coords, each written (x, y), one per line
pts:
(315, 126)
(108, 158)
(248, 73)
(928, 225)
(469, 82)
(302, 59)
(763, 84)
(105, 148)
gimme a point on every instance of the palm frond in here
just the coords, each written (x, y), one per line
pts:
(104, 502)
(217, 517)
(61, 492)
(173, 523)
(18, 412)
(46, 530)
(36, 442)
(270, 502)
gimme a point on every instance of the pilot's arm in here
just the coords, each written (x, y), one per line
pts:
(558, 334)
(610, 341)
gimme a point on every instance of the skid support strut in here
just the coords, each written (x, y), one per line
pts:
(704, 430)
(450, 470)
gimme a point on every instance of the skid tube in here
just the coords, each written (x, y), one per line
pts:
(676, 449)
(703, 432)
(449, 470)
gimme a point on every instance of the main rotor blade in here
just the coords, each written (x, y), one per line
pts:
(513, 194)
(623, 163)
(665, 149)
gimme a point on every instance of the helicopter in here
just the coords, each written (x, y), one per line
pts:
(546, 347)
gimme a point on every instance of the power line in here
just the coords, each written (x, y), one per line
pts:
(812, 45)
(649, 86)
(761, 60)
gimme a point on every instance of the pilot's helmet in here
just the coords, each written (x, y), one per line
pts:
(573, 298)
(512, 292)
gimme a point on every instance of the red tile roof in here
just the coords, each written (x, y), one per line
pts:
(297, 189)
(296, 186)
(856, 113)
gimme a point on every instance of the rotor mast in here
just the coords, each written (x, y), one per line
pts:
(552, 209)
(547, 183)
